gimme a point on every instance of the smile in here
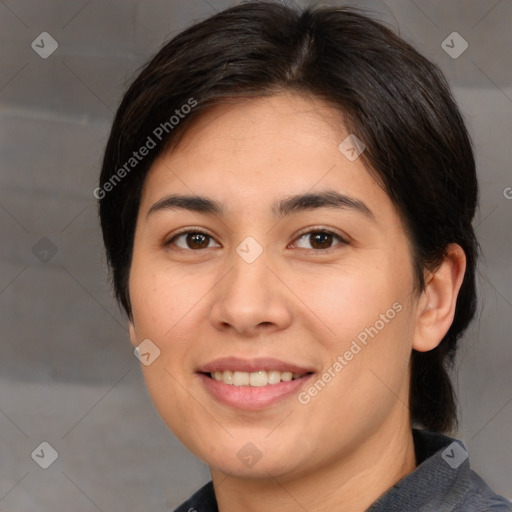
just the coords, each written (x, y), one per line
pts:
(252, 384)
(259, 378)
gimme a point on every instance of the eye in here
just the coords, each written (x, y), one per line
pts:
(192, 239)
(320, 239)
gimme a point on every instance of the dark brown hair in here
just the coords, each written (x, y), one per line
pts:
(392, 98)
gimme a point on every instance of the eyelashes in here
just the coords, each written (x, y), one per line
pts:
(322, 232)
(197, 234)
(195, 240)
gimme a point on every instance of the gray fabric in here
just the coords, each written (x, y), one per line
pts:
(442, 482)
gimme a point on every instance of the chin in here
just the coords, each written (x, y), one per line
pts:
(254, 459)
(261, 469)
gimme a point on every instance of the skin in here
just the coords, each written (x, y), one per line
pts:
(296, 302)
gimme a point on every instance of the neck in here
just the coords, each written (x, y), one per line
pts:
(350, 483)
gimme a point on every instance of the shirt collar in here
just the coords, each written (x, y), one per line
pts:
(438, 484)
(442, 465)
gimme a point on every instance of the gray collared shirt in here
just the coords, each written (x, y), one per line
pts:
(442, 482)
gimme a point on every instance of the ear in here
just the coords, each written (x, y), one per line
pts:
(436, 307)
(133, 334)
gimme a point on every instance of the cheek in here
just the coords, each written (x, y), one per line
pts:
(367, 317)
(349, 301)
(161, 299)
(172, 400)
(161, 304)
(367, 373)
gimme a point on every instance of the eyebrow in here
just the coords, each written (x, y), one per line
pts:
(287, 206)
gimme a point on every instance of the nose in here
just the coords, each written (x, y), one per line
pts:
(251, 299)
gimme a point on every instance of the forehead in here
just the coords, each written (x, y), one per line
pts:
(238, 124)
(260, 150)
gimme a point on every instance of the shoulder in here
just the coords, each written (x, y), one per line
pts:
(479, 497)
(202, 501)
(443, 481)
(446, 461)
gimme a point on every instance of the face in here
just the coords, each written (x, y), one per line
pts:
(272, 287)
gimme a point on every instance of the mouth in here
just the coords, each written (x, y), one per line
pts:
(252, 384)
(255, 379)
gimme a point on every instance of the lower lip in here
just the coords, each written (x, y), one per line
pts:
(252, 398)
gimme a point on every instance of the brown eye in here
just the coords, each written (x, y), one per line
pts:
(320, 240)
(191, 240)
(197, 240)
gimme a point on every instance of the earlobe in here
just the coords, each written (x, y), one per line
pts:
(436, 307)
(131, 331)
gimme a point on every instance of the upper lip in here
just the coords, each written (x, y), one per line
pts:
(251, 365)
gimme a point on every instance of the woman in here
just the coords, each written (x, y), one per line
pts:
(286, 202)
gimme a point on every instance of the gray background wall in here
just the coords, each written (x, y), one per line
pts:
(67, 373)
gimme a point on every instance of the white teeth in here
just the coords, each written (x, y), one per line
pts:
(227, 377)
(241, 379)
(274, 377)
(258, 379)
(286, 376)
(255, 379)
